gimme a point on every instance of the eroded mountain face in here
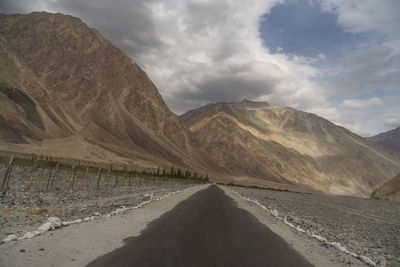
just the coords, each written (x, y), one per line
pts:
(284, 144)
(61, 79)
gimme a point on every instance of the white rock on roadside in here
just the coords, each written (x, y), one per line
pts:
(9, 238)
(51, 224)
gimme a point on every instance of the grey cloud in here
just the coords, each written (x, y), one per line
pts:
(21, 6)
(205, 15)
(376, 68)
(230, 88)
(225, 50)
(126, 23)
(9, 7)
(392, 122)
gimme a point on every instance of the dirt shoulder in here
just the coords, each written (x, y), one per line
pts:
(311, 249)
(78, 244)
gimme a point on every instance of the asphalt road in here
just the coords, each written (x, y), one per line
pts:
(207, 229)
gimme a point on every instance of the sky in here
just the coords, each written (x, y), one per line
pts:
(339, 59)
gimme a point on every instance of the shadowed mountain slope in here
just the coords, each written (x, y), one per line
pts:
(282, 144)
(66, 91)
(389, 140)
(389, 190)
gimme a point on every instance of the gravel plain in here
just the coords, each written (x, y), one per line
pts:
(23, 210)
(366, 227)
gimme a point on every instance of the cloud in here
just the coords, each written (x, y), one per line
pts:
(362, 103)
(366, 70)
(392, 115)
(393, 121)
(366, 15)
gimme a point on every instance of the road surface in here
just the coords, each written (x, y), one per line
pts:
(207, 229)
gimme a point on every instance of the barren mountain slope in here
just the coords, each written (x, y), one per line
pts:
(389, 190)
(283, 144)
(60, 80)
(389, 140)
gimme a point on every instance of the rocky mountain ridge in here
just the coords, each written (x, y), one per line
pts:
(286, 145)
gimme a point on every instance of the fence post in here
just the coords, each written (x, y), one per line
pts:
(74, 176)
(48, 179)
(124, 174)
(98, 179)
(54, 176)
(6, 178)
(35, 168)
(3, 183)
(71, 177)
(86, 178)
(130, 178)
(108, 173)
(115, 179)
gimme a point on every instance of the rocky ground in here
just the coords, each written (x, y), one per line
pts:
(23, 210)
(366, 227)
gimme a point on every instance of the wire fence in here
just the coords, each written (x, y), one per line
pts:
(41, 173)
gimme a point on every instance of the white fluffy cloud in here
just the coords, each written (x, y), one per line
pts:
(366, 15)
(362, 103)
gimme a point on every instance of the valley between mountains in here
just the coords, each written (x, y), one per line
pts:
(88, 145)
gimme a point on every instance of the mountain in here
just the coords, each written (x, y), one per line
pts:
(66, 91)
(281, 144)
(389, 190)
(389, 140)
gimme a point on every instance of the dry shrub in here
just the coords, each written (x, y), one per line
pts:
(36, 212)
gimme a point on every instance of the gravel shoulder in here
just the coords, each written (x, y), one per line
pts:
(311, 250)
(78, 244)
(365, 227)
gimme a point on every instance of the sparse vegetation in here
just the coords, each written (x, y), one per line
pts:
(257, 187)
(36, 212)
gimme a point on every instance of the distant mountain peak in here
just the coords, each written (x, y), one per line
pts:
(389, 140)
(249, 103)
